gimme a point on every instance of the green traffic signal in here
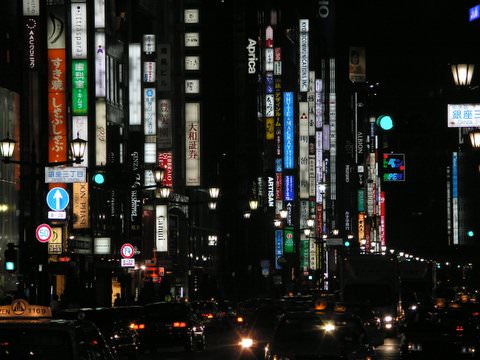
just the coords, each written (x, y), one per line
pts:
(385, 122)
(470, 233)
(98, 178)
(346, 243)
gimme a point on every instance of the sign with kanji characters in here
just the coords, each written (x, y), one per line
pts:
(463, 115)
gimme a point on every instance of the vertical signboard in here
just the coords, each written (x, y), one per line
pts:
(288, 131)
(192, 144)
(149, 111)
(31, 36)
(165, 162)
(100, 65)
(100, 132)
(356, 67)
(79, 30)
(303, 149)
(134, 84)
(99, 10)
(79, 87)
(383, 237)
(161, 228)
(304, 61)
(288, 241)
(57, 132)
(164, 124)
(278, 248)
(455, 197)
(81, 216)
(135, 162)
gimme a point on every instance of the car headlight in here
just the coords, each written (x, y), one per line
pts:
(328, 327)
(414, 347)
(246, 343)
(468, 350)
(388, 318)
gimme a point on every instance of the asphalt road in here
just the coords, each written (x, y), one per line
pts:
(220, 346)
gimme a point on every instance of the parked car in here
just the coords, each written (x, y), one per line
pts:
(308, 335)
(173, 323)
(28, 332)
(116, 324)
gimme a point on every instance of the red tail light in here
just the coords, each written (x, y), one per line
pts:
(134, 326)
(179, 324)
(459, 328)
(208, 315)
(476, 313)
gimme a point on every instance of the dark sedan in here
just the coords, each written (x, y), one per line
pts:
(307, 335)
(173, 323)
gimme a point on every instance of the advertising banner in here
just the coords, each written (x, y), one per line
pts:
(161, 228)
(79, 87)
(81, 215)
(31, 37)
(164, 124)
(288, 241)
(192, 143)
(288, 131)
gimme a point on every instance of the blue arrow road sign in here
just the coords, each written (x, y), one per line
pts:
(58, 199)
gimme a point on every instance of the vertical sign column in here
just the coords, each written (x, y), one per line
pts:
(79, 66)
(149, 107)
(57, 126)
(192, 105)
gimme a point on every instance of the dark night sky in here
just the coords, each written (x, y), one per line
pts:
(409, 47)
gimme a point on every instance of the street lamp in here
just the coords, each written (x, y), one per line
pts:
(475, 138)
(253, 204)
(462, 74)
(77, 148)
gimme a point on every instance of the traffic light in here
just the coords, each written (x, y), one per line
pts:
(98, 178)
(10, 258)
(470, 233)
(346, 243)
(385, 122)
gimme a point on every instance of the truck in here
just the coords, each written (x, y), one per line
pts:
(417, 282)
(373, 280)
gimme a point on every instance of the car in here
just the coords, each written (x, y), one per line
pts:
(372, 322)
(446, 332)
(257, 331)
(309, 335)
(116, 324)
(173, 323)
(209, 311)
(28, 332)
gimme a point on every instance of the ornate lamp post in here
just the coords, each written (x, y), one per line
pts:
(462, 74)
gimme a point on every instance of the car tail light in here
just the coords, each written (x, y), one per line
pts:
(179, 324)
(476, 313)
(459, 330)
(208, 315)
(134, 326)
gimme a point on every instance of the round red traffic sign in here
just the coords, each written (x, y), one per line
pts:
(44, 233)
(127, 251)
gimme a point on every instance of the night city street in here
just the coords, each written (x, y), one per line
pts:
(183, 179)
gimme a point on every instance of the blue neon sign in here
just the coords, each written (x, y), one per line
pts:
(288, 130)
(474, 13)
(288, 190)
(278, 247)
